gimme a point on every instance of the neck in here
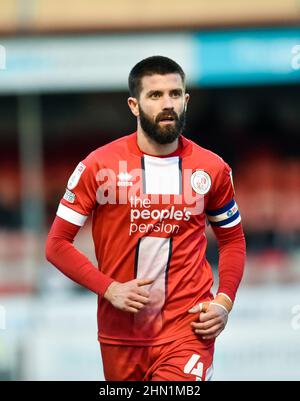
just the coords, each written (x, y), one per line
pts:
(151, 147)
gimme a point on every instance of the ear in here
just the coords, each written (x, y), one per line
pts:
(186, 98)
(134, 106)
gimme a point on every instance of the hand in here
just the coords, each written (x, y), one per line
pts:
(212, 318)
(129, 296)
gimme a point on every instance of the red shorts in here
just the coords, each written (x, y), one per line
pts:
(185, 359)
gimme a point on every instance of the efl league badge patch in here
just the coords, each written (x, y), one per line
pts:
(201, 182)
(74, 179)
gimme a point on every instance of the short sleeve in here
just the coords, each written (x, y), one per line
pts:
(222, 209)
(79, 199)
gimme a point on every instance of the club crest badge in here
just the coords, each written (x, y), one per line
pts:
(201, 182)
(75, 177)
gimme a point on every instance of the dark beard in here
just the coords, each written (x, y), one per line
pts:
(162, 134)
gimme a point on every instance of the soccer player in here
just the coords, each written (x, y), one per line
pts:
(150, 194)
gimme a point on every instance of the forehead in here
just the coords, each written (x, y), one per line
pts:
(161, 82)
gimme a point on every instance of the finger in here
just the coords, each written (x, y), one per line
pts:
(148, 281)
(195, 309)
(212, 336)
(138, 298)
(201, 307)
(211, 331)
(143, 293)
(131, 310)
(135, 305)
(206, 325)
(204, 317)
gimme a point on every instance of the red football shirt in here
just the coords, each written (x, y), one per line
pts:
(149, 217)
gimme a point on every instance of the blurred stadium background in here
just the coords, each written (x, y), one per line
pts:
(63, 90)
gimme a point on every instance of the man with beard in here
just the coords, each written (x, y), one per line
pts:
(150, 194)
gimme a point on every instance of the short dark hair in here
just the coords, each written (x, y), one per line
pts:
(149, 66)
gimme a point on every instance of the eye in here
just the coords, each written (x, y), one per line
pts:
(176, 93)
(155, 95)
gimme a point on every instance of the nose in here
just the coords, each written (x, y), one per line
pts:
(167, 103)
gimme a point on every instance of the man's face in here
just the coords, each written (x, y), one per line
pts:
(161, 107)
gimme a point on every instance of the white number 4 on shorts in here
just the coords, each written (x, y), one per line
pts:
(194, 370)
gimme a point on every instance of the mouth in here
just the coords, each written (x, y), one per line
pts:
(166, 119)
(166, 122)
